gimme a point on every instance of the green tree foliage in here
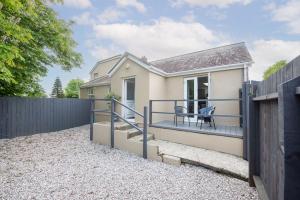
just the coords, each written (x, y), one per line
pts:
(73, 87)
(35, 90)
(274, 68)
(57, 91)
(32, 38)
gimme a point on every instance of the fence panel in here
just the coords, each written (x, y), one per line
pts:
(289, 135)
(271, 156)
(20, 116)
(274, 136)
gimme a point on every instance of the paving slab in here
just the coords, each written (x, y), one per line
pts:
(217, 161)
(172, 160)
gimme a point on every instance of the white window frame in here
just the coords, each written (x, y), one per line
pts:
(124, 95)
(194, 119)
(195, 95)
(91, 92)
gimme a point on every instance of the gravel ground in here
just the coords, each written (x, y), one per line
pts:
(66, 165)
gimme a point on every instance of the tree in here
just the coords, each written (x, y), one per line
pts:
(274, 68)
(73, 87)
(57, 91)
(36, 91)
(32, 39)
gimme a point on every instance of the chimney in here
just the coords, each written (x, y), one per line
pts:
(144, 59)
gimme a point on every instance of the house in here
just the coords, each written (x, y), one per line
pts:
(211, 74)
(216, 73)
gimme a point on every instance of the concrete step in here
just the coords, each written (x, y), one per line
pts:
(175, 153)
(123, 126)
(172, 160)
(139, 138)
(132, 133)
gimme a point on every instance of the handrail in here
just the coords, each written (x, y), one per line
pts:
(195, 114)
(113, 114)
(144, 130)
(128, 122)
(129, 108)
(201, 100)
(187, 114)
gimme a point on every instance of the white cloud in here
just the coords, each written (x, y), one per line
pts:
(216, 14)
(110, 15)
(84, 19)
(190, 17)
(288, 13)
(132, 3)
(267, 52)
(206, 3)
(162, 38)
(100, 51)
(78, 3)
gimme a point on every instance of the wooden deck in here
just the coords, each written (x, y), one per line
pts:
(229, 131)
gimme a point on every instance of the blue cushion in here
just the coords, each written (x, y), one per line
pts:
(206, 111)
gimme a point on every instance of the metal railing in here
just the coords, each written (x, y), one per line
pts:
(115, 115)
(151, 112)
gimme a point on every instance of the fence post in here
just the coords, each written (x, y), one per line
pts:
(175, 111)
(253, 138)
(112, 123)
(150, 112)
(145, 133)
(245, 93)
(92, 119)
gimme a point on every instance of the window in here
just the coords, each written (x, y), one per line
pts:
(202, 91)
(190, 96)
(90, 92)
(130, 84)
(96, 75)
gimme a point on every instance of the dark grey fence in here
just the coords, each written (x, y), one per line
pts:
(273, 129)
(26, 116)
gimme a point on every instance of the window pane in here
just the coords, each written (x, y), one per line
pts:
(130, 89)
(190, 96)
(202, 91)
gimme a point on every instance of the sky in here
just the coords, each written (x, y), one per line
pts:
(163, 28)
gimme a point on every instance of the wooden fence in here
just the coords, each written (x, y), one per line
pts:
(273, 129)
(26, 116)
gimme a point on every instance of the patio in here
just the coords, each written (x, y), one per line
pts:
(230, 131)
(66, 165)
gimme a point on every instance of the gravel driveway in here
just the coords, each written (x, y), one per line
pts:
(66, 165)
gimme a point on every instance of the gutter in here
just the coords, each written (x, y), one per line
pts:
(95, 85)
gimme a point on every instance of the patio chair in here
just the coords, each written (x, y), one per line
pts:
(206, 116)
(181, 111)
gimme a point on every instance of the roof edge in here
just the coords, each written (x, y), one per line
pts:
(94, 85)
(137, 60)
(105, 60)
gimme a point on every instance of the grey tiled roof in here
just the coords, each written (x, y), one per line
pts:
(97, 82)
(224, 55)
